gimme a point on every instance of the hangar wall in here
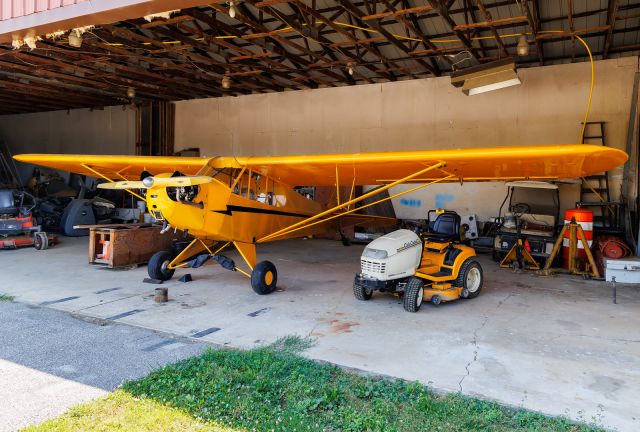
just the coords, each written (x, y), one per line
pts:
(108, 131)
(547, 108)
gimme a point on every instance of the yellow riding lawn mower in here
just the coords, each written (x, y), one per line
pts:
(434, 266)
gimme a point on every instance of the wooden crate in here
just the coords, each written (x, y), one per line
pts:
(125, 245)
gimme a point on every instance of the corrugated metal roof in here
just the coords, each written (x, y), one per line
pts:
(19, 8)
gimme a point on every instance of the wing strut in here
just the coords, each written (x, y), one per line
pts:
(99, 174)
(306, 223)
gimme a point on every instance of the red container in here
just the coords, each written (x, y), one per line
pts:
(585, 219)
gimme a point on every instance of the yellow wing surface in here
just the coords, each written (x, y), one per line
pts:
(115, 167)
(470, 164)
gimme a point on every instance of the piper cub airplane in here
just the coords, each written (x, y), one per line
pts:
(245, 201)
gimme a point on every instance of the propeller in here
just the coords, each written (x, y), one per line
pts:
(149, 182)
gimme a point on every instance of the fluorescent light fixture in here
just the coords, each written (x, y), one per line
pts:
(486, 77)
(490, 82)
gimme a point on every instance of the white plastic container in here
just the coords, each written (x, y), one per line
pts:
(624, 270)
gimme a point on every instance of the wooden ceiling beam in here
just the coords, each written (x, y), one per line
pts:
(411, 28)
(369, 46)
(443, 12)
(228, 67)
(259, 28)
(490, 20)
(358, 14)
(534, 23)
(612, 13)
(230, 30)
(325, 43)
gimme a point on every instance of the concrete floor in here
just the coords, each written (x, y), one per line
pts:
(556, 345)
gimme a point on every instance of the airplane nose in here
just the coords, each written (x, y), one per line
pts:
(148, 181)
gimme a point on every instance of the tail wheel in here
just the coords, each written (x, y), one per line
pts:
(264, 278)
(361, 292)
(470, 278)
(158, 267)
(413, 293)
(40, 241)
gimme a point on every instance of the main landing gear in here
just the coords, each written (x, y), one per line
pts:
(263, 275)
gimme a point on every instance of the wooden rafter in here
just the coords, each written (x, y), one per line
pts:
(273, 45)
(611, 21)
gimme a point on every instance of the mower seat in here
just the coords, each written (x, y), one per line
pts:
(7, 203)
(446, 228)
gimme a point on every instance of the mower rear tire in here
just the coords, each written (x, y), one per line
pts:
(362, 293)
(413, 293)
(157, 267)
(264, 278)
(40, 241)
(470, 278)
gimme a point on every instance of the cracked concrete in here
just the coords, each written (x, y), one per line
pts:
(553, 344)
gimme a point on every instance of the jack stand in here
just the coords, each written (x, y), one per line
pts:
(519, 255)
(576, 233)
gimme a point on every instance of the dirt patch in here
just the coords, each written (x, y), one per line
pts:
(339, 326)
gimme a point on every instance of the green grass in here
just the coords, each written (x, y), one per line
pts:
(5, 297)
(121, 411)
(274, 388)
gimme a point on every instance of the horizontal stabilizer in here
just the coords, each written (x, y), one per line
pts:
(158, 182)
(122, 185)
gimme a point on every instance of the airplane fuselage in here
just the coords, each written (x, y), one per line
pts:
(215, 212)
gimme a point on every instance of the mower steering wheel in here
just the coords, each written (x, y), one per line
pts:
(520, 208)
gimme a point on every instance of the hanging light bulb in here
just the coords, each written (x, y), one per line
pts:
(226, 82)
(75, 38)
(131, 93)
(350, 67)
(232, 9)
(523, 46)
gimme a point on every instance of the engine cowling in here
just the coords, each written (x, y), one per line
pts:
(392, 256)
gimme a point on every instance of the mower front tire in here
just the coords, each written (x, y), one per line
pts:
(157, 267)
(413, 293)
(362, 293)
(40, 241)
(470, 278)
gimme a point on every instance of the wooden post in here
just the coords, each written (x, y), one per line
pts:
(585, 244)
(556, 247)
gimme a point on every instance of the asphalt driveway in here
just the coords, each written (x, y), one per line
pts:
(50, 360)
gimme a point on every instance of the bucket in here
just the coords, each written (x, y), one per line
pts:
(585, 219)
(162, 295)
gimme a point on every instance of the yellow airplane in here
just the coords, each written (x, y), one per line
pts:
(246, 201)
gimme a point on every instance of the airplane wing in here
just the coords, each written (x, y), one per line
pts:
(116, 167)
(470, 164)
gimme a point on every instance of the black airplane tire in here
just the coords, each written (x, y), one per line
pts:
(264, 278)
(157, 267)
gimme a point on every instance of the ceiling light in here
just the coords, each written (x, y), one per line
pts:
(226, 82)
(523, 46)
(30, 41)
(131, 93)
(232, 9)
(486, 77)
(75, 39)
(350, 67)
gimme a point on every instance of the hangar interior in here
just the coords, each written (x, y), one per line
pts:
(246, 78)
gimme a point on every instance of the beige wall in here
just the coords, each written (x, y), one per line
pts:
(108, 131)
(418, 114)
